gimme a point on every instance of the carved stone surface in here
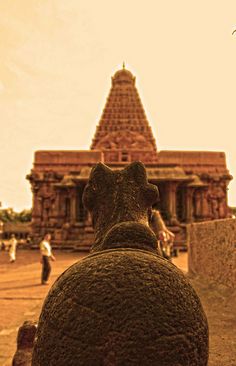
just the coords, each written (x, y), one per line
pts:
(123, 304)
(25, 340)
(212, 253)
(123, 124)
(124, 140)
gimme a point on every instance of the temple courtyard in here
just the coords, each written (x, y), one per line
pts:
(22, 295)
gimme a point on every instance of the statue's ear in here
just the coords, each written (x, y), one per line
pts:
(100, 173)
(100, 179)
(136, 171)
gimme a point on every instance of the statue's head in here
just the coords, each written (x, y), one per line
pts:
(122, 195)
(118, 196)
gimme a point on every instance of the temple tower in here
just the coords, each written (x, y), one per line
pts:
(123, 133)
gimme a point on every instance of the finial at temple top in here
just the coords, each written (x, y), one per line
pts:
(123, 65)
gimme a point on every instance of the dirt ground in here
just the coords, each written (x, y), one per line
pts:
(21, 298)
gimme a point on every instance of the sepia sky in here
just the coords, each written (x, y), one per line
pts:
(57, 59)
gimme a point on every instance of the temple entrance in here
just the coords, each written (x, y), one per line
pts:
(67, 209)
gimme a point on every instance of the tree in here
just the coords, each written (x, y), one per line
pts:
(9, 215)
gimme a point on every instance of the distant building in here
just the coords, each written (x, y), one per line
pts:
(17, 224)
(22, 230)
(192, 185)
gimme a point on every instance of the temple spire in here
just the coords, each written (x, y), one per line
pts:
(123, 125)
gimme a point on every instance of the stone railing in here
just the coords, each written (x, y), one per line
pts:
(212, 250)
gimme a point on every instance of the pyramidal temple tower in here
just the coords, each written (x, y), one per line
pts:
(192, 184)
(123, 133)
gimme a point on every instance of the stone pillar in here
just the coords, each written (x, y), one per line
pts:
(205, 205)
(57, 213)
(189, 204)
(37, 208)
(171, 199)
(73, 206)
(80, 207)
(64, 209)
(222, 200)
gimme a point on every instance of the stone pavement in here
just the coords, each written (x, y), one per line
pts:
(22, 295)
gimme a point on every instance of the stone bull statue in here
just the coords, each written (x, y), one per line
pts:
(123, 304)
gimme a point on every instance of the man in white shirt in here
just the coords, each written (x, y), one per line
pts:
(46, 253)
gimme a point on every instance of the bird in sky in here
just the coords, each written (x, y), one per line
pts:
(233, 32)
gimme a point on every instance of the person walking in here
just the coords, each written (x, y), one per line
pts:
(165, 237)
(12, 248)
(46, 253)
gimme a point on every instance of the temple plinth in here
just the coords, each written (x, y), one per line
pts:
(192, 184)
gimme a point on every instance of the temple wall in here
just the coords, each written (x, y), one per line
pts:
(65, 161)
(212, 250)
(196, 161)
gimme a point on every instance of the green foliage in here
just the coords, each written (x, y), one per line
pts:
(9, 215)
(24, 216)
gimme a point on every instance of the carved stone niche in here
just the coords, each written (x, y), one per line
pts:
(123, 304)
